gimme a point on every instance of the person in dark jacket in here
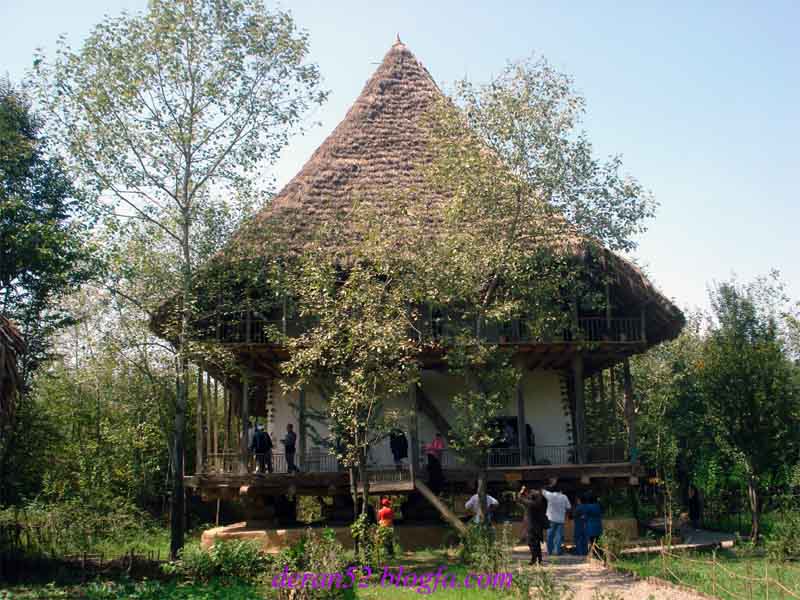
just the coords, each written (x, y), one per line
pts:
(261, 446)
(399, 446)
(289, 444)
(536, 518)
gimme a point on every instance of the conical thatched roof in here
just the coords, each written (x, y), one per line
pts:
(376, 151)
(371, 153)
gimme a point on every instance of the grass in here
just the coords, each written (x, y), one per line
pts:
(139, 590)
(730, 574)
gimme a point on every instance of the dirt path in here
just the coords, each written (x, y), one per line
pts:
(585, 578)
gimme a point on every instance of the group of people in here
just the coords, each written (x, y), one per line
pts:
(261, 445)
(547, 510)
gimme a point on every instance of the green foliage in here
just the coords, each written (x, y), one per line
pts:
(783, 540)
(749, 387)
(315, 553)
(240, 560)
(612, 543)
(156, 590)
(103, 524)
(45, 249)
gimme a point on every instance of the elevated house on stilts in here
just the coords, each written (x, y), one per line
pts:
(378, 146)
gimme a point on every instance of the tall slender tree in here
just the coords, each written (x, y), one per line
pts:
(166, 110)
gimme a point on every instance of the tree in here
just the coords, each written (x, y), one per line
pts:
(45, 247)
(165, 111)
(358, 349)
(670, 415)
(45, 250)
(749, 387)
(526, 216)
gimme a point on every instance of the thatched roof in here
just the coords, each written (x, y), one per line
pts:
(377, 150)
(11, 346)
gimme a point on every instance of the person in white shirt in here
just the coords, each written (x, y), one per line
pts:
(472, 506)
(557, 507)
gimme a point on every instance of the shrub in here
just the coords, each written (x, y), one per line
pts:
(314, 553)
(611, 544)
(235, 559)
(783, 542)
(482, 548)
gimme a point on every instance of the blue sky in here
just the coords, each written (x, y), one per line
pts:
(701, 99)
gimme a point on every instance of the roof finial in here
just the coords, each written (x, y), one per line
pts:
(398, 40)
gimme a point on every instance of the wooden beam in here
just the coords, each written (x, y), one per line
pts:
(522, 438)
(301, 427)
(413, 430)
(446, 513)
(630, 412)
(580, 408)
(198, 434)
(244, 448)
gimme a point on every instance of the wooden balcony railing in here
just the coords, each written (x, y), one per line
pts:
(250, 327)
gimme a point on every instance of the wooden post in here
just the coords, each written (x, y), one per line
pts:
(630, 413)
(216, 415)
(524, 455)
(580, 408)
(644, 323)
(301, 427)
(226, 400)
(247, 324)
(198, 434)
(245, 421)
(413, 431)
(209, 415)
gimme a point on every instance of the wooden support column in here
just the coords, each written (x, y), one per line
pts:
(216, 416)
(226, 399)
(413, 455)
(209, 416)
(244, 448)
(524, 454)
(630, 412)
(580, 408)
(644, 322)
(198, 434)
(301, 428)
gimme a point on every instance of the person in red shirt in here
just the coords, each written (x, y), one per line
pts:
(386, 519)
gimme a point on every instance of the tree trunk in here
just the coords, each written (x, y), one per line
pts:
(755, 509)
(177, 516)
(482, 507)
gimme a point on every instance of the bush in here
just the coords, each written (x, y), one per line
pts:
(611, 543)
(783, 542)
(483, 549)
(314, 553)
(234, 560)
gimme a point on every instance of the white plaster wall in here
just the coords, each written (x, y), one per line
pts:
(544, 411)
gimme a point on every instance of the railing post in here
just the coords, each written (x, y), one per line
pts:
(247, 324)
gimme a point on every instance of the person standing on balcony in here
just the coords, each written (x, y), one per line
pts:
(290, 447)
(535, 520)
(399, 446)
(557, 507)
(434, 452)
(261, 446)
